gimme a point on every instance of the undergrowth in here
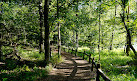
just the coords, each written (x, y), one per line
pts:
(30, 68)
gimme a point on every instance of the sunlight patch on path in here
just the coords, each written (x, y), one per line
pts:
(72, 69)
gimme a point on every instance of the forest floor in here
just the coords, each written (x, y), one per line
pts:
(72, 69)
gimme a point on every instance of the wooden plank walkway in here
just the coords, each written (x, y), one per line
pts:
(72, 69)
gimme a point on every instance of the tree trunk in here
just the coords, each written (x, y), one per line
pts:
(99, 31)
(127, 38)
(76, 41)
(129, 44)
(111, 45)
(102, 40)
(59, 41)
(41, 25)
(133, 49)
(77, 27)
(24, 32)
(46, 25)
(59, 36)
(43, 36)
(125, 48)
(73, 39)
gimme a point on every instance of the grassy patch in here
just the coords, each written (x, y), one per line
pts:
(23, 74)
(30, 54)
(29, 68)
(115, 64)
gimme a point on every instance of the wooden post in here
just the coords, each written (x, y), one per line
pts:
(89, 58)
(84, 54)
(76, 52)
(97, 77)
(92, 64)
(72, 51)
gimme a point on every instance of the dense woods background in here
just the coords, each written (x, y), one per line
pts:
(29, 28)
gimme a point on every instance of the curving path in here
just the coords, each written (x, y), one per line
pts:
(72, 69)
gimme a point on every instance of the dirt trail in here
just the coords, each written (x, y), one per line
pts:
(72, 69)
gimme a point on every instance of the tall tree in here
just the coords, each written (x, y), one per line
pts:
(1, 31)
(46, 25)
(59, 36)
(128, 31)
(77, 26)
(127, 43)
(41, 25)
(99, 29)
(111, 42)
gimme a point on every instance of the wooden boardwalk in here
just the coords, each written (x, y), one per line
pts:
(72, 69)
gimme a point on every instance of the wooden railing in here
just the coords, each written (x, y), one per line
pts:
(99, 72)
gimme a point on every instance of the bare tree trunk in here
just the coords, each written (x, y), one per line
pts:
(41, 25)
(111, 45)
(59, 41)
(76, 41)
(99, 30)
(127, 38)
(59, 36)
(46, 25)
(24, 32)
(73, 38)
(77, 27)
(43, 36)
(102, 39)
(127, 45)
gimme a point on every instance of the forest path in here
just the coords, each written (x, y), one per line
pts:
(72, 69)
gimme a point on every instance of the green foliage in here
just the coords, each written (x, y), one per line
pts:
(32, 70)
(55, 60)
(24, 74)
(23, 21)
(124, 2)
(19, 22)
